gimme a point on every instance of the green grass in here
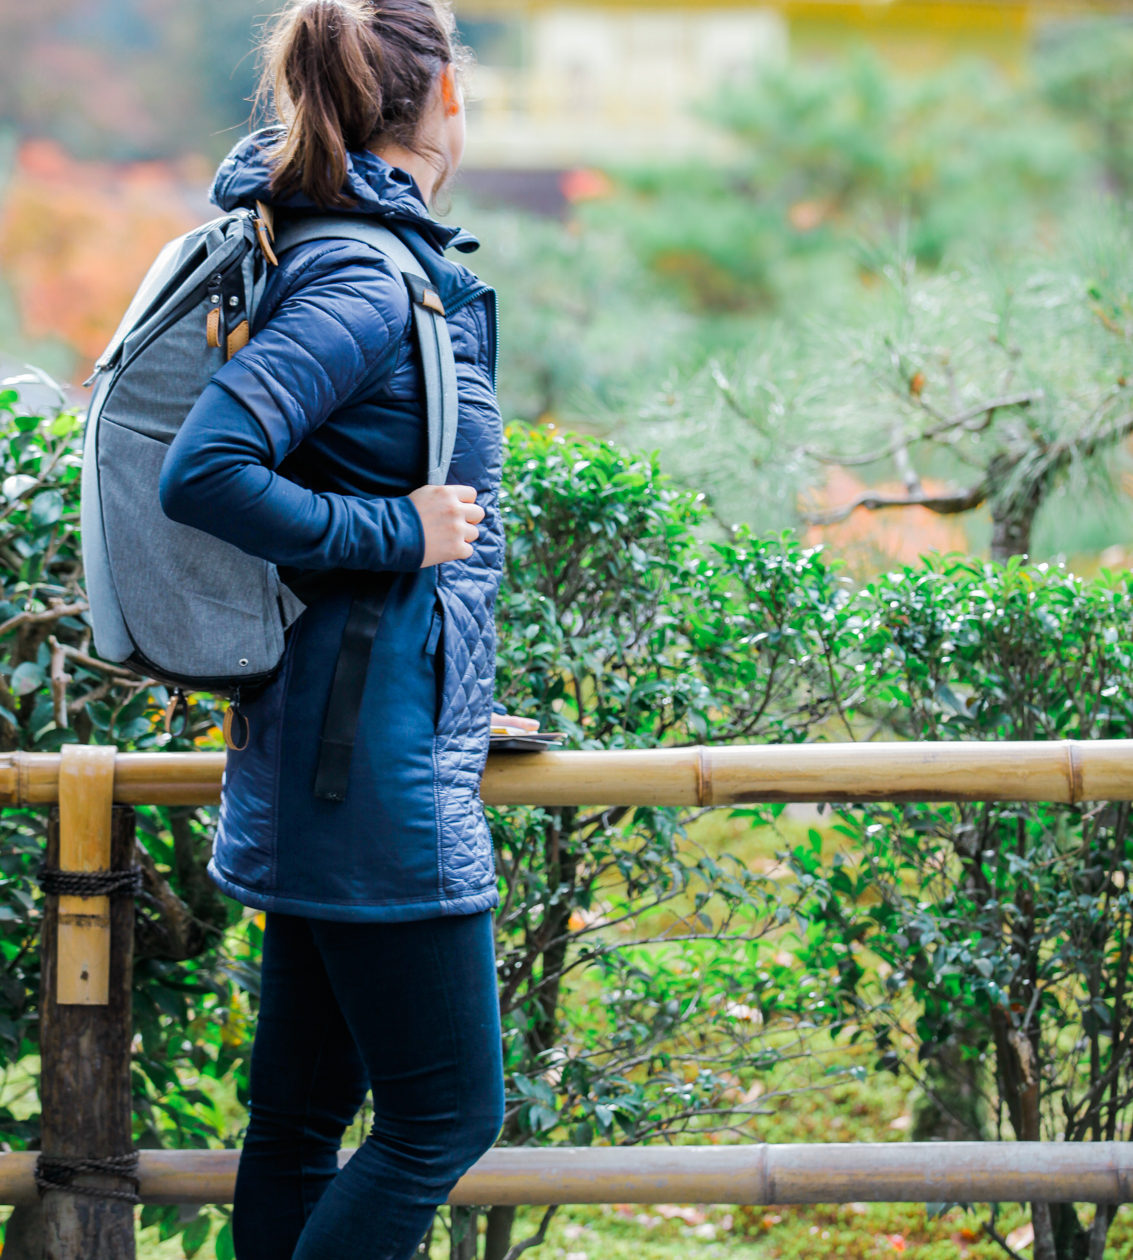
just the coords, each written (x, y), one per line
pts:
(657, 1232)
(685, 1232)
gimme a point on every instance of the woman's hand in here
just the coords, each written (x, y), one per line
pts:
(449, 516)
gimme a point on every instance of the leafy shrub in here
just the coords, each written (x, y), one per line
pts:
(625, 631)
(1004, 931)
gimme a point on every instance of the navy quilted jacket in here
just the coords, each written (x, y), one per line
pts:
(302, 450)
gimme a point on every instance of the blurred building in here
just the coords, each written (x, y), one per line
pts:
(561, 84)
(567, 82)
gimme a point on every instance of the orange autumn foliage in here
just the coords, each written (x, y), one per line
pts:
(871, 542)
(77, 237)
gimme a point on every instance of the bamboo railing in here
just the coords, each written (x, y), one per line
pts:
(87, 961)
(1059, 771)
(756, 1173)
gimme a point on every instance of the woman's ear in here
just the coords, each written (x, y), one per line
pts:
(450, 90)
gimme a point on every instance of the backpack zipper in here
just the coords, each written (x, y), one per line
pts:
(222, 685)
(183, 308)
(106, 360)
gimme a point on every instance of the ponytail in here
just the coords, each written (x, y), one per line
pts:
(348, 74)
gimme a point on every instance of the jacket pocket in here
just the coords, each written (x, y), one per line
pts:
(434, 631)
(434, 648)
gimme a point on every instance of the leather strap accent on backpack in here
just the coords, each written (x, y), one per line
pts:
(176, 713)
(423, 293)
(236, 729)
(212, 328)
(344, 708)
(237, 339)
(264, 223)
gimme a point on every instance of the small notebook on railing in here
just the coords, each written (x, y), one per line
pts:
(515, 739)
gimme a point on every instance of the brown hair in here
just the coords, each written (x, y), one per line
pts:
(348, 74)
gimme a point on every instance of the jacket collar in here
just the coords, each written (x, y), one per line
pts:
(379, 189)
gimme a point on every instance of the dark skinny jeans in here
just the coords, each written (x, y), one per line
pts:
(410, 1010)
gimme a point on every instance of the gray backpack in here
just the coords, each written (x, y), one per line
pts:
(167, 600)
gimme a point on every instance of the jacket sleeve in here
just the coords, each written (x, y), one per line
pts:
(340, 330)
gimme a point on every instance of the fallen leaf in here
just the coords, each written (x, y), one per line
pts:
(690, 1215)
(1024, 1236)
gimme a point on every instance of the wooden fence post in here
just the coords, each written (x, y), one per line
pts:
(87, 1168)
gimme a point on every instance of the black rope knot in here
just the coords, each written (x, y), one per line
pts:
(90, 883)
(57, 1172)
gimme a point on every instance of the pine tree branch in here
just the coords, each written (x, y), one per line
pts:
(874, 500)
(984, 412)
(1109, 434)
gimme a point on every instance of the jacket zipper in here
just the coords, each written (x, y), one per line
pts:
(494, 324)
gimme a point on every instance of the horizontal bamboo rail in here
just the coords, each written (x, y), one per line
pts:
(862, 1172)
(1060, 771)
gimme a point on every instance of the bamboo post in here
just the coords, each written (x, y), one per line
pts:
(82, 936)
(85, 1022)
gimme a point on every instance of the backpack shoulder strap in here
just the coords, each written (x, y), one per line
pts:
(340, 724)
(428, 318)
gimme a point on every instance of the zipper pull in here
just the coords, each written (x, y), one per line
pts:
(177, 713)
(237, 730)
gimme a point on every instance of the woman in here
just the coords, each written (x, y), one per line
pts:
(308, 448)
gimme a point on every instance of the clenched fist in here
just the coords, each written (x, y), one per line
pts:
(449, 516)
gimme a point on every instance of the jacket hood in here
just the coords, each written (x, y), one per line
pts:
(379, 189)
